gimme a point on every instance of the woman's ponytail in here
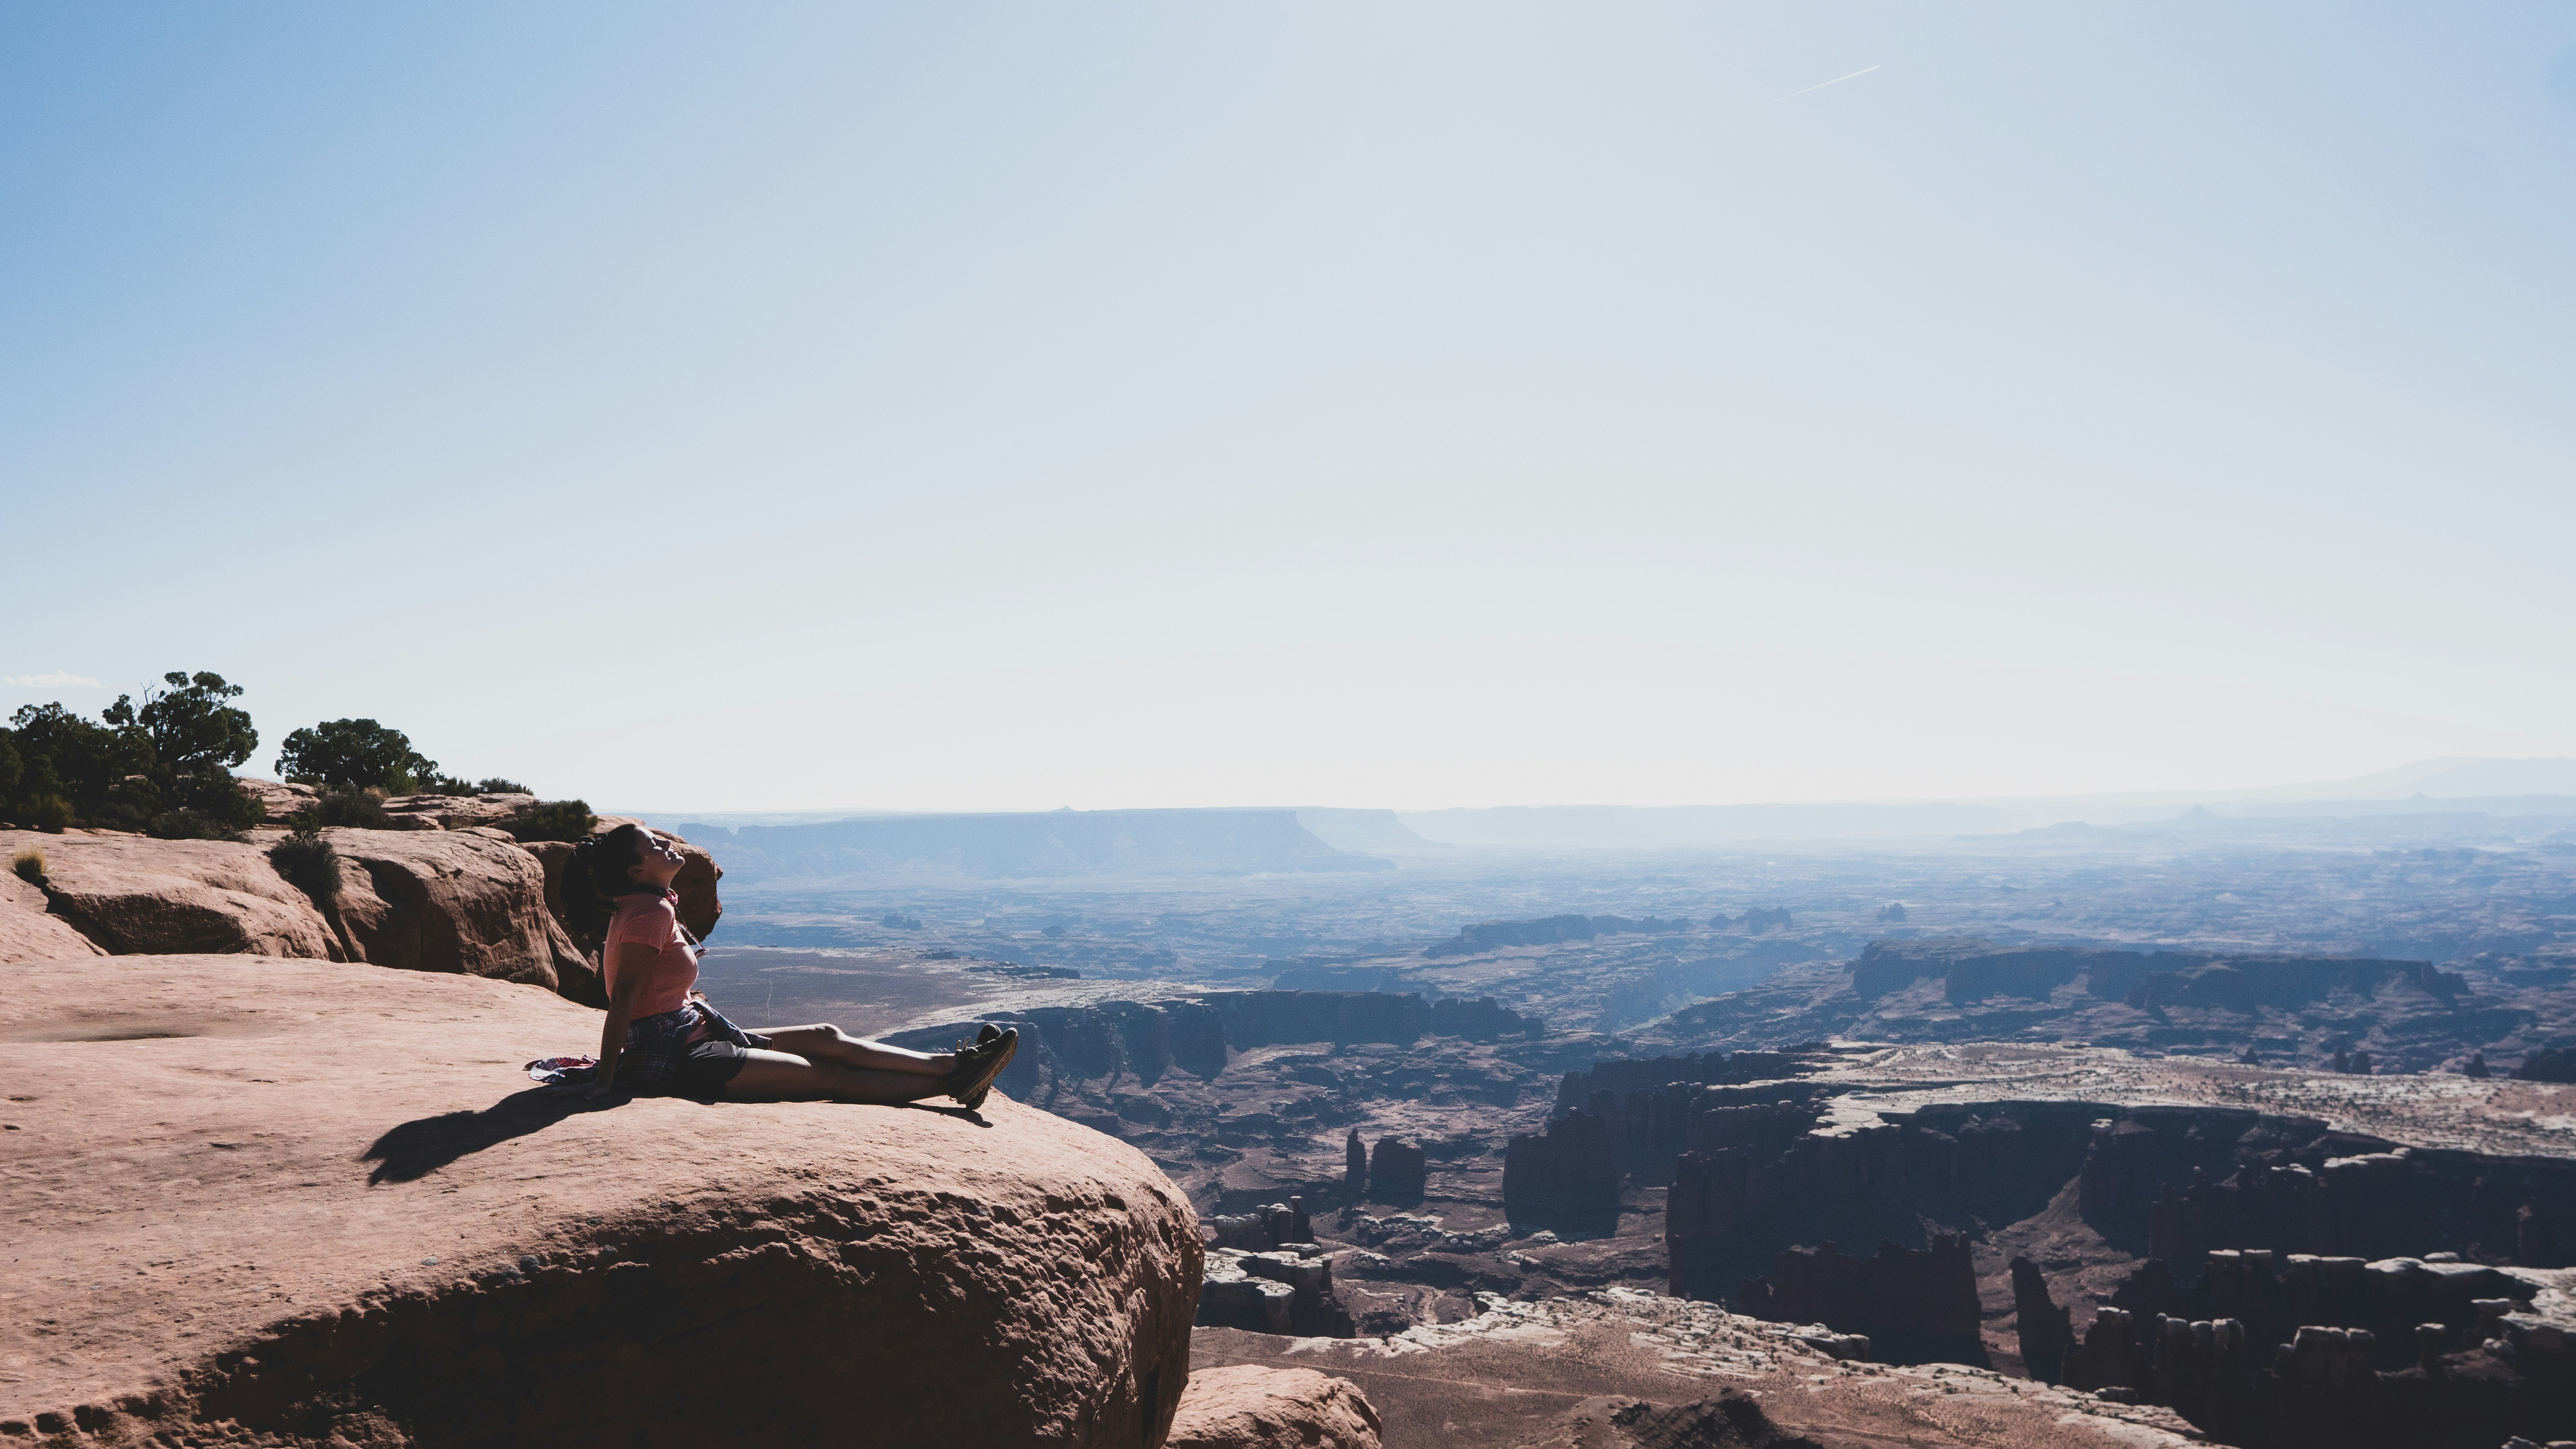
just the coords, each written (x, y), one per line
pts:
(595, 876)
(585, 910)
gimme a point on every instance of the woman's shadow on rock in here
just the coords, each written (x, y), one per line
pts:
(417, 1148)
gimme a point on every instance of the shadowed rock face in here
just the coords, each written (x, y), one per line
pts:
(2474, 1372)
(1260, 1018)
(1912, 1304)
(469, 901)
(1564, 1179)
(2168, 1181)
(1398, 1171)
(2257, 1317)
(2045, 1329)
(333, 1207)
(1652, 1123)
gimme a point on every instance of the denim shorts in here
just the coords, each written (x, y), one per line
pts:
(692, 1052)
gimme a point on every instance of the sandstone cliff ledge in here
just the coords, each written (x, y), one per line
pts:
(280, 1201)
(462, 897)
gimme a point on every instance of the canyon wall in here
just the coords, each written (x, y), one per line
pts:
(1914, 1305)
(2372, 1204)
(2171, 1182)
(1564, 1179)
(2260, 1316)
(1972, 971)
(2436, 1367)
(1497, 935)
(1144, 1040)
(1649, 1105)
(1764, 1177)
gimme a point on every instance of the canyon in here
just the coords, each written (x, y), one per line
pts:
(1851, 1141)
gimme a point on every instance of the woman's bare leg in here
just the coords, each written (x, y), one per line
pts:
(774, 1076)
(828, 1043)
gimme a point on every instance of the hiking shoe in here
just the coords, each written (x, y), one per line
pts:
(985, 1035)
(979, 1064)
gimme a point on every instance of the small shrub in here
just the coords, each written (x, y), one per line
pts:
(186, 823)
(495, 785)
(29, 866)
(363, 809)
(130, 804)
(307, 862)
(49, 813)
(557, 820)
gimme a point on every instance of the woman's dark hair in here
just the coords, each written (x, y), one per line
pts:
(596, 876)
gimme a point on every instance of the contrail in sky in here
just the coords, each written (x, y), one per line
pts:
(1837, 80)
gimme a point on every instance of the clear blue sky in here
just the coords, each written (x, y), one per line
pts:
(775, 407)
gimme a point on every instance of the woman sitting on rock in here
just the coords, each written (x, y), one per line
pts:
(663, 1039)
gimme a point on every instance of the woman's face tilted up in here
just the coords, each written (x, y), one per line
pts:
(657, 861)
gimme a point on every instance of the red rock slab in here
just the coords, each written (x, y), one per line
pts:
(290, 1200)
(27, 933)
(469, 900)
(459, 812)
(1520, 1371)
(133, 894)
(279, 799)
(1246, 1406)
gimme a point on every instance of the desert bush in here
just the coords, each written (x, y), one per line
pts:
(187, 823)
(173, 752)
(192, 724)
(436, 783)
(557, 820)
(186, 807)
(364, 809)
(307, 862)
(75, 760)
(355, 754)
(29, 866)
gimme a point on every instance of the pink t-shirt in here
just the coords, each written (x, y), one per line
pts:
(653, 920)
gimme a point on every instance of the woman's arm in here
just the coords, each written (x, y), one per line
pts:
(634, 967)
